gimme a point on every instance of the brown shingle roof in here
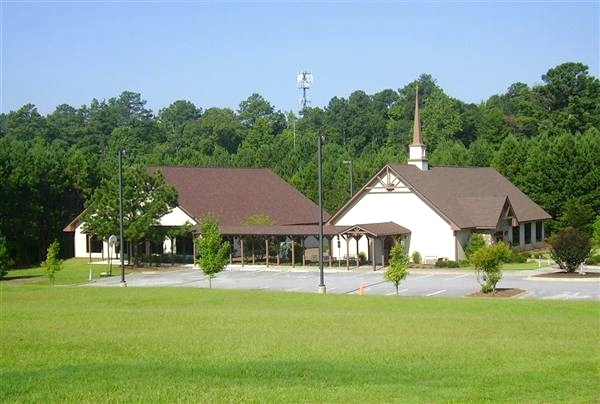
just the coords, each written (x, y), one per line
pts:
(469, 196)
(234, 194)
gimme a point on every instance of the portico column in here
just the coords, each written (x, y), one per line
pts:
(347, 252)
(267, 250)
(293, 253)
(357, 253)
(242, 250)
(373, 258)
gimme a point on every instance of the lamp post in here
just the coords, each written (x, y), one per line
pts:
(121, 244)
(322, 288)
(350, 162)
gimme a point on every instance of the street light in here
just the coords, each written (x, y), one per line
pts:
(121, 244)
(351, 170)
(320, 140)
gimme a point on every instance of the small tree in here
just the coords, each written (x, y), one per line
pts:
(398, 266)
(569, 248)
(475, 242)
(213, 251)
(52, 263)
(5, 261)
(416, 257)
(488, 265)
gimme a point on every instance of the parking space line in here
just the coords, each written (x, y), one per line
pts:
(436, 293)
(456, 277)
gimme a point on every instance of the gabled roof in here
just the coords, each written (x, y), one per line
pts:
(234, 194)
(466, 197)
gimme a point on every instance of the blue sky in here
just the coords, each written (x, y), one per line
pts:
(217, 54)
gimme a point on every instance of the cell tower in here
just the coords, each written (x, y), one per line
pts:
(305, 79)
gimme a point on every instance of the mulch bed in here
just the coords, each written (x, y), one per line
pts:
(569, 275)
(500, 292)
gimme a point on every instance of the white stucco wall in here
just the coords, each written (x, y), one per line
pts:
(431, 235)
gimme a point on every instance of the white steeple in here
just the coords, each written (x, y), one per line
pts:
(417, 150)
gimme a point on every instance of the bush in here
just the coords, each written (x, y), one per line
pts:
(593, 260)
(362, 257)
(570, 248)
(596, 231)
(517, 258)
(488, 265)
(416, 257)
(476, 241)
(445, 263)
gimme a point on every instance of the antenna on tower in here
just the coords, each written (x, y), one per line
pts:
(305, 79)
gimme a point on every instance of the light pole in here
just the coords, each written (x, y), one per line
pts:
(350, 162)
(121, 244)
(322, 288)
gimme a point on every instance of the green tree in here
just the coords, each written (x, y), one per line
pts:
(569, 248)
(475, 242)
(596, 233)
(578, 215)
(440, 119)
(213, 251)
(488, 265)
(5, 260)
(52, 264)
(146, 198)
(397, 270)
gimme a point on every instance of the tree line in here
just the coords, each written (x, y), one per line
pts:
(545, 139)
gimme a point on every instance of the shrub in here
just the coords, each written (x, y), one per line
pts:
(570, 247)
(416, 257)
(596, 232)
(475, 242)
(445, 263)
(362, 258)
(593, 260)
(516, 258)
(488, 265)
(398, 265)
(52, 263)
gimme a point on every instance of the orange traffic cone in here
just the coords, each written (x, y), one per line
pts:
(361, 290)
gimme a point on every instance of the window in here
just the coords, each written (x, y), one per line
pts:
(516, 236)
(539, 231)
(96, 244)
(527, 233)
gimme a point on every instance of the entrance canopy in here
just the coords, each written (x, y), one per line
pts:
(369, 229)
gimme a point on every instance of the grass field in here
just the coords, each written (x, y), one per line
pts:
(175, 344)
(74, 271)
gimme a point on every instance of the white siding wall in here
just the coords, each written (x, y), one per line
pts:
(176, 217)
(430, 234)
(81, 247)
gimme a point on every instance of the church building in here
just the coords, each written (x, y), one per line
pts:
(443, 206)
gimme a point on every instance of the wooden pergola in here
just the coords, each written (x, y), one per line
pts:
(298, 233)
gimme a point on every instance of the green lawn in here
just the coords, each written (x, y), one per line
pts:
(176, 344)
(75, 270)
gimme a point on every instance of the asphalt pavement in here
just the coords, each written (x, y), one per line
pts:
(420, 282)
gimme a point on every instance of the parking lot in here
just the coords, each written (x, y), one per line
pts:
(426, 283)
